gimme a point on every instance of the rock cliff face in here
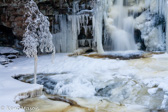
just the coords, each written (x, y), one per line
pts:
(12, 16)
(12, 12)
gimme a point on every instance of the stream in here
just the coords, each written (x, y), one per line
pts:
(110, 92)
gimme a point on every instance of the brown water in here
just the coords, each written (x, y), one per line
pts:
(45, 105)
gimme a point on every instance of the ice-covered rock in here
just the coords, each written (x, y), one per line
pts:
(152, 30)
(6, 54)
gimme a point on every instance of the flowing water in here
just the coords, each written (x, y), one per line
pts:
(119, 30)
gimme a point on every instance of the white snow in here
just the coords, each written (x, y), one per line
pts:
(84, 75)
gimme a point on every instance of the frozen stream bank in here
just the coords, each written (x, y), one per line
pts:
(86, 105)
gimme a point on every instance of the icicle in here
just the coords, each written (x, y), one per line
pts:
(35, 69)
(74, 32)
(70, 26)
(85, 28)
(97, 22)
(166, 17)
(82, 42)
(53, 56)
(87, 19)
(63, 39)
(78, 24)
(90, 42)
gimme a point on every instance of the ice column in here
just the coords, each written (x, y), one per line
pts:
(98, 26)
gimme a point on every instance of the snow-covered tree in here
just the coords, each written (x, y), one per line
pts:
(37, 33)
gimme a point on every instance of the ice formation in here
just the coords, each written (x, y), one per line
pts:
(152, 24)
(65, 36)
(98, 26)
(29, 94)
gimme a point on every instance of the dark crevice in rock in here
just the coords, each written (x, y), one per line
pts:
(138, 39)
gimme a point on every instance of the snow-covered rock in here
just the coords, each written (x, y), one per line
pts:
(8, 50)
(151, 26)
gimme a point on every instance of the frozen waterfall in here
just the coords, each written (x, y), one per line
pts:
(112, 24)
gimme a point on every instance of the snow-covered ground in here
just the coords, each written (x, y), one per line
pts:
(140, 81)
(12, 90)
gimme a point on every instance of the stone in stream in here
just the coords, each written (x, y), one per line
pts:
(12, 56)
